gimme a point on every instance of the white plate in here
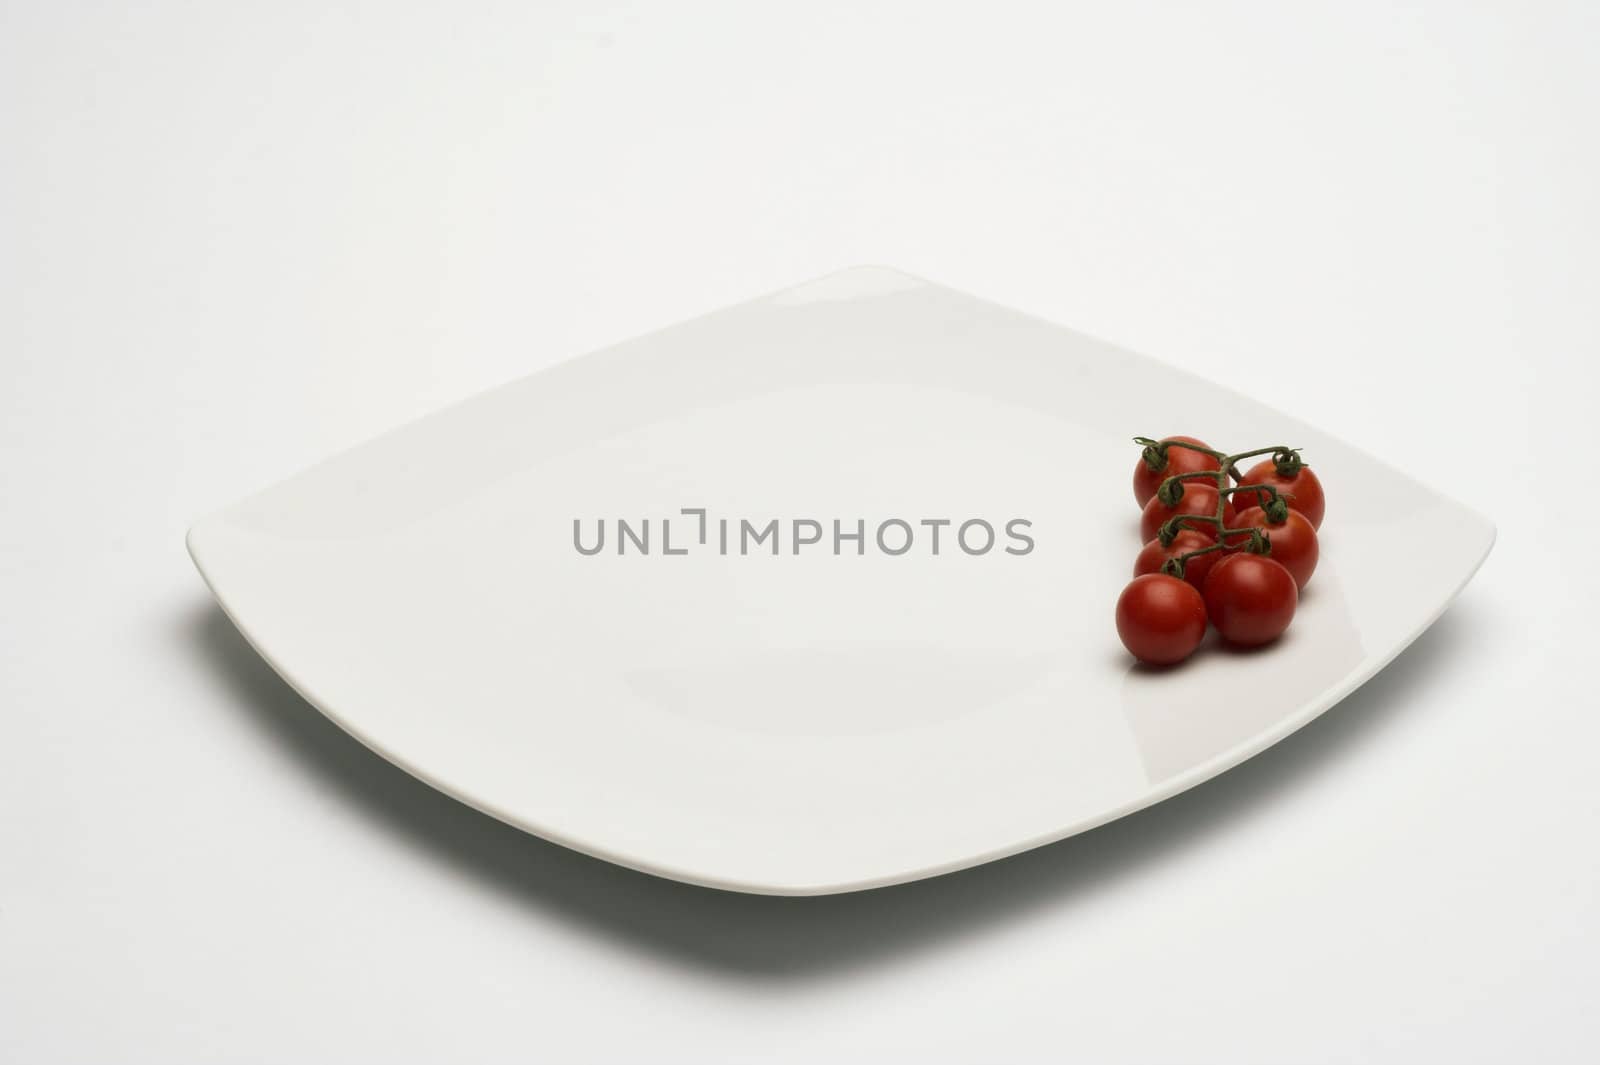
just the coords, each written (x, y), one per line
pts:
(813, 722)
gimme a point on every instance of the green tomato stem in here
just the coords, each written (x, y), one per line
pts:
(1285, 459)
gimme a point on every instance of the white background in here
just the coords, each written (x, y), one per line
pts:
(233, 241)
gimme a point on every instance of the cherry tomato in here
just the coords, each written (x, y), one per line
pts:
(1152, 555)
(1198, 498)
(1294, 541)
(1303, 492)
(1179, 460)
(1250, 599)
(1161, 619)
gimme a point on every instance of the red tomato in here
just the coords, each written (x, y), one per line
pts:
(1152, 555)
(1179, 460)
(1250, 599)
(1294, 541)
(1303, 492)
(1198, 498)
(1161, 619)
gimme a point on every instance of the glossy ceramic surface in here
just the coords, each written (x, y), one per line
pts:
(807, 721)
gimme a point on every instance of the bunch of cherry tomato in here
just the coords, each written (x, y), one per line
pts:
(1222, 548)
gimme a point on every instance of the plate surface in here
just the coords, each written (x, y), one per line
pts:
(786, 716)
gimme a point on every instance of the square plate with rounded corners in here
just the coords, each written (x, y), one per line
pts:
(786, 716)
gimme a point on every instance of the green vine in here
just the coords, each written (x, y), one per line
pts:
(1287, 462)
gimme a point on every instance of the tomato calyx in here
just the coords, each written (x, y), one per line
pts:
(1154, 454)
(1287, 462)
(1275, 508)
